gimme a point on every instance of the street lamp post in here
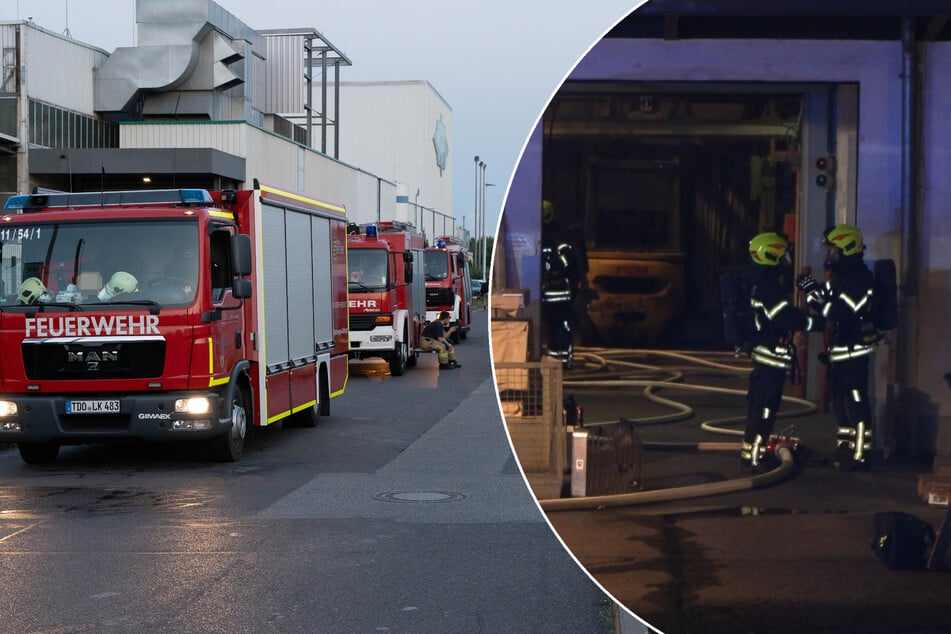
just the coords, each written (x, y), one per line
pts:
(475, 209)
(485, 239)
(479, 250)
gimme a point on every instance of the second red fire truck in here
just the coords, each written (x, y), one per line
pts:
(387, 293)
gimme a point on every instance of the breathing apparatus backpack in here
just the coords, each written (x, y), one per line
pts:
(883, 313)
(885, 300)
(739, 327)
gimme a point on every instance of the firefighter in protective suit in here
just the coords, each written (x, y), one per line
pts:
(560, 284)
(845, 300)
(776, 318)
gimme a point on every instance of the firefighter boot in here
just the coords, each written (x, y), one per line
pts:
(752, 455)
(843, 459)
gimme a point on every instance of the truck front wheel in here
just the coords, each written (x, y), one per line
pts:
(230, 446)
(38, 452)
(398, 360)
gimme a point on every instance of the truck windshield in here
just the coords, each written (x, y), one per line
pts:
(101, 264)
(367, 270)
(437, 265)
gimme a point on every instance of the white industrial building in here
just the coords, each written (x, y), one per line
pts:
(382, 126)
(210, 102)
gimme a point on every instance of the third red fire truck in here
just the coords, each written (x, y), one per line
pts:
(449, 285)
(387, 302)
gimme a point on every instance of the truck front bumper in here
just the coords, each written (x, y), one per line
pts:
(90, 418)
(372, 343)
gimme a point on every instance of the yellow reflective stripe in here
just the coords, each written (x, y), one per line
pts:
(856, 306)
(294, 410)
(860, 432)
(221, 214)
(336, 394)
(277, 417)
(841, 353)
(304, 199)
(771, 313)
(768, 359)
(212, 381)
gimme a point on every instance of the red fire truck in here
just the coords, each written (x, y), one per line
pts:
(168, 315)
(387, 293)
(449, 285)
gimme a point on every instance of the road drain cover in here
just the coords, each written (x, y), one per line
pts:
(419, 496)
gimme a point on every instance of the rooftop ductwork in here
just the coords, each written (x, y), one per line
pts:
(186, 47)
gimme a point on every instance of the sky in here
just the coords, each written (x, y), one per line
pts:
(496, 62)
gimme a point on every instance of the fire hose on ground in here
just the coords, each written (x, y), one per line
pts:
(602, 359)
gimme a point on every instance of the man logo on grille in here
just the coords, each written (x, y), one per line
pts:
(92, 359)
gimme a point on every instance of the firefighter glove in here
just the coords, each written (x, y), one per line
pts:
(807, 283)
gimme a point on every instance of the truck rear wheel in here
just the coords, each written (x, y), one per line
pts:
(230, 446)
(398, 360)
(38, 452)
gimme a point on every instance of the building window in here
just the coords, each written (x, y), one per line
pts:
(54, 127)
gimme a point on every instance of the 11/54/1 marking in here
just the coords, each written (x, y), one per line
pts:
(93, 407)
(20, 233)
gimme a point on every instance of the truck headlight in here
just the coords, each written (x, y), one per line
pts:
(194, 405)
(8, 408)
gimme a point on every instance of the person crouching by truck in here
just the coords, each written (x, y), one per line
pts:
(436, 338)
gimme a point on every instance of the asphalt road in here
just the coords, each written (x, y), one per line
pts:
(403, 511)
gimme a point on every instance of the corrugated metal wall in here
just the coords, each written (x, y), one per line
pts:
(227, 137)
(71, 85)
(285, 85)
(275, 286)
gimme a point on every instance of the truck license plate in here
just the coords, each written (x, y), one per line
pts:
(92, 407)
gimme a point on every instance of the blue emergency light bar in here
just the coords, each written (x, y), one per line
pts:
(371, 231)
(183, 197)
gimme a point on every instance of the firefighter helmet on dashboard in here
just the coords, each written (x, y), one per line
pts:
(30, 290)
(768, 249)
(120, 282)
(845, 238)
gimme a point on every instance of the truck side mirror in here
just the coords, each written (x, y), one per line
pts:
(241, 255)
(408, 257)
(408, 274)
(241, 288)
